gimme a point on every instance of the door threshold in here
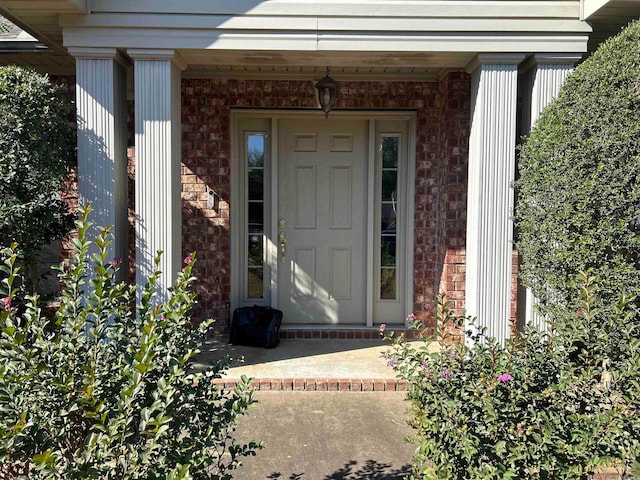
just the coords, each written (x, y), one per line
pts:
(342, 332)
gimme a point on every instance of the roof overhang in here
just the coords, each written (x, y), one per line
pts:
(599, 9)
(298, 37)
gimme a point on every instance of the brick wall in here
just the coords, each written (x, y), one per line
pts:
(443, 124)
(441, 162)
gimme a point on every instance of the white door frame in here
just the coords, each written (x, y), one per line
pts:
(272, 117)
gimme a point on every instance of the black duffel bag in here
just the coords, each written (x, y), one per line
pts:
(256, 326)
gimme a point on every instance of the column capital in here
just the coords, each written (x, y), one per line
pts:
(92, 53)
(494, 59)
(551, 59)
(158, 54)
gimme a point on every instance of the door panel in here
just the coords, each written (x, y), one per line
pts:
(322, 199)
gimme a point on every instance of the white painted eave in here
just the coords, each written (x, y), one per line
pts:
(365, 26)
(591, 7)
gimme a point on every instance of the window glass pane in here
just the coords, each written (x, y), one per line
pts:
(388, 209)
(256, 184)
(388, 251)
(255, 284)
(255, 158)
(255, 150)
(389, 185)
(390, 152)
(256, 217)
(388, 219)
(388, 284)
(255, 250)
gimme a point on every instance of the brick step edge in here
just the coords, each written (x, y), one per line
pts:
(320, 384)
(610, 473)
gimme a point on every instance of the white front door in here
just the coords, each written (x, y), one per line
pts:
(322, 220)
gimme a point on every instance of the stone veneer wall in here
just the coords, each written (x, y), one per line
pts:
(441, 168)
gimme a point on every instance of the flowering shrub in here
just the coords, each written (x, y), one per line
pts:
(106, 390)
(542, 406)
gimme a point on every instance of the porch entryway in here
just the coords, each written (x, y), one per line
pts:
(324, 218)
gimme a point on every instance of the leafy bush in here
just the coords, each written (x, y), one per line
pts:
(36, 148)
(542, 406)
(579, 187)
(107, 391)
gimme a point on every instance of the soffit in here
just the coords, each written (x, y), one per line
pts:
(305, 65)
(40, 19)
(612, 17)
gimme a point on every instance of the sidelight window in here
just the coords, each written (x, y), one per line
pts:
(255, 182)
(388, 218)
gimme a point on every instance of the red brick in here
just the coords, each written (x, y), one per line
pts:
(378, 385)
(322, 384)
(276, 384)
(265, 384)
(344, 384)
(443, 124)
(298, 384)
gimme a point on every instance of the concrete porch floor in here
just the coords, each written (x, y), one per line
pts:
(344, 415)
(308, 364)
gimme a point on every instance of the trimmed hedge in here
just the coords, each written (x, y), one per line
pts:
(37, 146)
(579, 185)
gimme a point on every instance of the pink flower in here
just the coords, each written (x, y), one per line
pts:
(115, 262)
(188, 259)
(505, 377)
(423, 366)
(446, 374)
(391, 362)
(6, 303)
(383, 326)
(411, 318)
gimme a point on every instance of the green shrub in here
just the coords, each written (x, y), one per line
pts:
(106, 390)
(36, 149)
(542, 406)
(579, 188)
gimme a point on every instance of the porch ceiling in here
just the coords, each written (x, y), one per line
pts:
(39, 18)
(305, 65)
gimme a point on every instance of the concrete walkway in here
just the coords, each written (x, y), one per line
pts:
(355, 432)
(327, 435)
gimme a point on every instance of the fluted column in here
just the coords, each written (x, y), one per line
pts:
(102, 141)
(490, 194)
(157, 125)
(543, 76)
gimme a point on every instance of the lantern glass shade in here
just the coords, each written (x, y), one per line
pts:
(327, 92)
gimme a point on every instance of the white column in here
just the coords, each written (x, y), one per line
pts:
(544, 74)
(102, 141)
(158, 184)
(492, 145)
